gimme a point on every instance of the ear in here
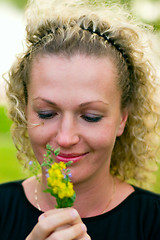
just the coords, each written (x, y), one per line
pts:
(122, 124)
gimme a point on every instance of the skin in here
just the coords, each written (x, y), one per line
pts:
(76, 102)
(53, 225)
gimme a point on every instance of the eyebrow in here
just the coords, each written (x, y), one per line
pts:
(45, 100)
(82, 105)
(92, 102)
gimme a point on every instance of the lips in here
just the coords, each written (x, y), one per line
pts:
(74, 157)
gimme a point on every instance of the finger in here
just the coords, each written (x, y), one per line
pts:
(62, 227)
(77, 231)
(63, 213)
(86, 237)
(57, 210)
(50, 212)
(53, 219)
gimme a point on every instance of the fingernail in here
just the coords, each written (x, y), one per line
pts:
(74, 213)
(41, 217)
(83, 227)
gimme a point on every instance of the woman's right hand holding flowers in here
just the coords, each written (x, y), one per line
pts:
(59, 224)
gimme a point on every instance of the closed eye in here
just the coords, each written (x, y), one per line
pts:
(46, 114)
(91, 117)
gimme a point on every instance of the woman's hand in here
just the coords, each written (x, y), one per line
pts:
(59, 224)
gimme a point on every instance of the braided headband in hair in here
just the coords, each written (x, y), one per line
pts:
(110, 40)
(105, 35)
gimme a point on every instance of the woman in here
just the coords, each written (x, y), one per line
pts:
(85, 84)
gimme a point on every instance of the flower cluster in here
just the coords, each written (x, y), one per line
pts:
(59, 182)
(58, 179)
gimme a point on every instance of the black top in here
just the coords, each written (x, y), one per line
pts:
(136, 218)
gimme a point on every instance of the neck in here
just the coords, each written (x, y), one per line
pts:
(95, 196)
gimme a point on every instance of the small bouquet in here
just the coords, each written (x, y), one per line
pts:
(58, 179)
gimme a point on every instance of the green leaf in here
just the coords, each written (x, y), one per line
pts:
(69, 163)
(49, 147)
(57, 151)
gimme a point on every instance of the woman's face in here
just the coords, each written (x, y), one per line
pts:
(76, 101)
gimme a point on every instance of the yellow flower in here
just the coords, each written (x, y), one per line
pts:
(58, 178)
(61, 186)
(55, 173)
(62, 165)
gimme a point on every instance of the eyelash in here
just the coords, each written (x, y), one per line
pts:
(46, 115)
(88, 117)
(92, 118)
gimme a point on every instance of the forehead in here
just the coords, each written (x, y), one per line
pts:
(58, 64)
(79, 74)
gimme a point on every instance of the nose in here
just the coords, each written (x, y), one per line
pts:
(67, 134)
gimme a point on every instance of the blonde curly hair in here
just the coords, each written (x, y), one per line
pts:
(95, 28)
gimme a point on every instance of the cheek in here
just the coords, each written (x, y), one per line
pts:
(38, 141)
(103, 139)
(40, 136)
(36, 135)
(39, 132)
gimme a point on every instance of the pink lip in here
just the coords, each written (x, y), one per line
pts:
(74, 157)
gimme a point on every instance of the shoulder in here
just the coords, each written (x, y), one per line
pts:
(9, 187)
(13, 199)
(15, 208)
(146, 195)
(138, 202)
(146, 211)
(10, 192)
(145, 204)
(144, 198)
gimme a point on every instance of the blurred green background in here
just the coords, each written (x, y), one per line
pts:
(10, 169)
(147, 11)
